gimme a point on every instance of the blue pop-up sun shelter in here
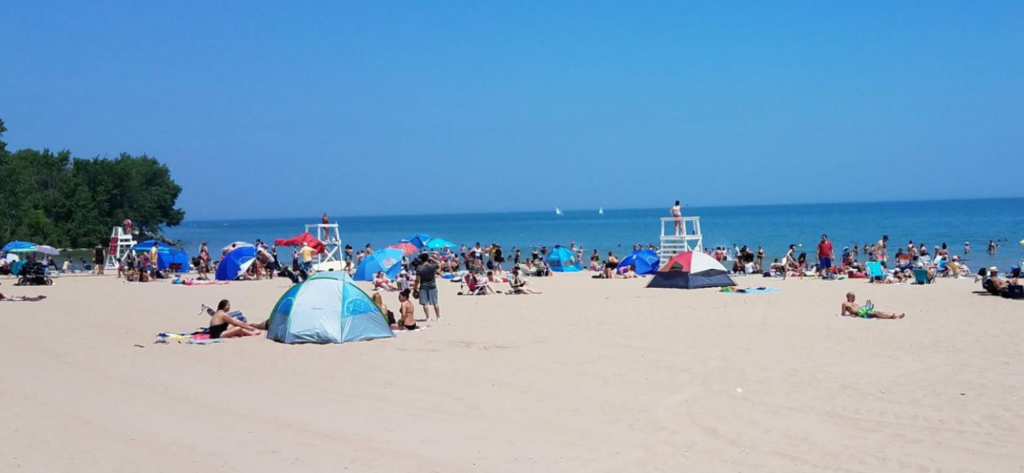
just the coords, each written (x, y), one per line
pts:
(388, 260)
(326, 308)
(562, 260)
(236, 263)
(643, 262)
(166, 255)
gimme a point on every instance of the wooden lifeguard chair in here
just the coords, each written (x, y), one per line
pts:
(675, 240)
(120, 244)
(330, 259)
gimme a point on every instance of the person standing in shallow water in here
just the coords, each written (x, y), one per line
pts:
(677, 212)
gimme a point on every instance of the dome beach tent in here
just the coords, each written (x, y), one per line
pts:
(388, 260)
(236, 263)
(691, 270)
(326, 308)
(644, 262)
(563, 261)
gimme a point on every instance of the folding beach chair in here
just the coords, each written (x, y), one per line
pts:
(875, 271)
(921, 276)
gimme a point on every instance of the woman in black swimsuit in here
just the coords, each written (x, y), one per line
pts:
(221, 322)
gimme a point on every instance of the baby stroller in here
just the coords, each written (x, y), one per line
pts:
(33, 273)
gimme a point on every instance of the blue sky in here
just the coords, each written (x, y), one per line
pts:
(290, 108)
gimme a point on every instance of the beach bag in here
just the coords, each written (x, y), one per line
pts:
(1014, 291)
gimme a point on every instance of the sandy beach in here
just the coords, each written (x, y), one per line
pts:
(593, 375)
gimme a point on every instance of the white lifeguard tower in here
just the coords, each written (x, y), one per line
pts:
(120, 244)
(679, 235)
(330, 259)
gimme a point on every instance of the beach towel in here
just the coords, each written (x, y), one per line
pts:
(207, 341)
(750, 290)
(23, 299)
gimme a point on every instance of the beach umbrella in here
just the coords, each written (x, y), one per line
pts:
(439, 243)
(643, 262)
(47, 250)
(419, 241)
(236, 263)
(298, 240)
(388, 260)
(407, 248)
(237, 244)
(17, 245)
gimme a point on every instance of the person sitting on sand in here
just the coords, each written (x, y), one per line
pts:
(388, 315)
(852, 309)
(221, 321)
(381, 281)
(520, 285)
(627, 272)
(406, 311)
(610, 264)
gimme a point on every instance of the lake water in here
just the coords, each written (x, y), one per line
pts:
(774, 226)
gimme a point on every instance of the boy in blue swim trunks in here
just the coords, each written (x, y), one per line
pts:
(852, 309)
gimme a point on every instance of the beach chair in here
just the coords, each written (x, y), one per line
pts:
(875, 271)
(921, 276)
(471, 287)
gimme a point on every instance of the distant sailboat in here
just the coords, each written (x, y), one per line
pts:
(558, 211)
(600, 211)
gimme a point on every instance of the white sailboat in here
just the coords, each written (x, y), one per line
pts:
(600, 211)
(558, 211)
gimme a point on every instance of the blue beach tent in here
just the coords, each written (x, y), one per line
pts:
(388, 260)
(562, 260)
(644, 262)
(165, 257)
(236, 263)
(326, 308)
(148, 245)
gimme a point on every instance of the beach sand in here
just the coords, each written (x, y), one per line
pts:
(591, 376)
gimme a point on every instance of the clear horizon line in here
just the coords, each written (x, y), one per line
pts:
(587, 209)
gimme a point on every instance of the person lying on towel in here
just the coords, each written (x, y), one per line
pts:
(852, 309)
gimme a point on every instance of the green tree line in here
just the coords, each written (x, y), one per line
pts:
(55, 199)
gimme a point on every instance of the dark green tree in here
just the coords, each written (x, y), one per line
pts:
(55, 199)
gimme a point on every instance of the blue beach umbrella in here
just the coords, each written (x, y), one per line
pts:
(420, 240)
(17, 245)
(439, 243)
(236, 263)
(388, 260)
(643, 262)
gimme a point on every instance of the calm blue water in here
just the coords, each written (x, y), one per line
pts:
(775, 227)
